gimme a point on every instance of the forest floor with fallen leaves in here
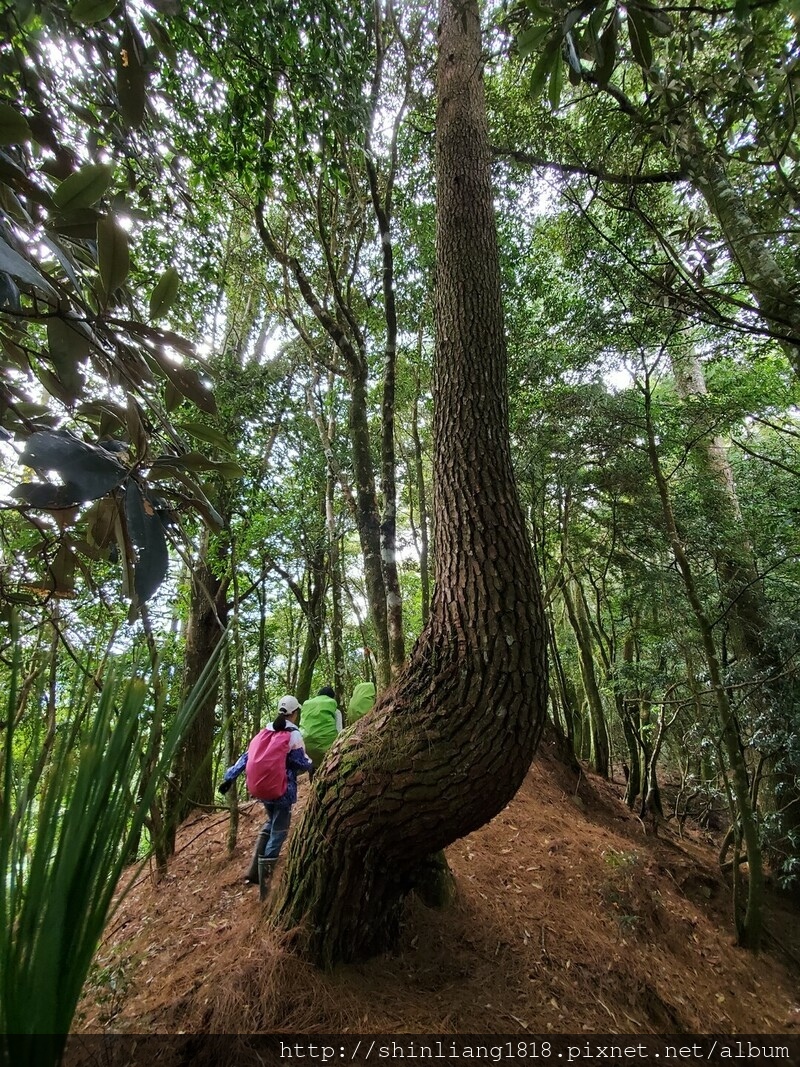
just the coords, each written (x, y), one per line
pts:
(569, 918)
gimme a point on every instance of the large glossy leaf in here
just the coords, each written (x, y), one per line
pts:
(9, 293)
(14, 128)
(161, 39)
(197, 462)
(530, 39)
(62, 571)
(77, 225)
(90, 471)
(187, 381)
(63, 258)
(163, 296)
(544, 65)
(88, 12)
(146, 531)
(112, 254)
(101, 520)
(68, 349)
(131, 77)
(208, 435)
(197, 499)
(83, 188)
(608, 50)
(106, 415)
(640, 39)
(53, 384)
(556, 81)
(46, 495)
(20, 268)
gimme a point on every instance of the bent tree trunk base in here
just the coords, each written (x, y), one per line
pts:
(441, 755)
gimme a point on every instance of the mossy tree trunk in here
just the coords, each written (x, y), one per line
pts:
(450, 743)
(191, 785)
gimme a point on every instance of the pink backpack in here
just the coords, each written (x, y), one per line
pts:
(266, 764)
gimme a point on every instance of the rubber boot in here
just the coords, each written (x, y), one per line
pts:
(261, 844)
(265, 871)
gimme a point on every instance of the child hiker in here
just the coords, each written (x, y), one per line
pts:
(273, 760)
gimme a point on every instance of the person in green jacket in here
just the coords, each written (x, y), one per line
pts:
(320, 723)
(361, 701)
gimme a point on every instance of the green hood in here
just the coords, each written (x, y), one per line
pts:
(361, 701)
(318, 722)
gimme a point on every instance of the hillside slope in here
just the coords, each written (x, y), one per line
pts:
(569, 919)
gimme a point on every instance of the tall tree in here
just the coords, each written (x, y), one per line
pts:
(680, 102)
(448, 746)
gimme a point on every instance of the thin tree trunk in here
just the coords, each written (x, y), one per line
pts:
(750, 626)
(364, 501)
(600, 757)
(394, 602)
(749, 925)
(335, 571)
(192, 785)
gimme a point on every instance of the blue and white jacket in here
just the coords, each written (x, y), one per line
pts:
(297, 762)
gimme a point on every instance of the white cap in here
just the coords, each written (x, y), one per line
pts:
(289, 704)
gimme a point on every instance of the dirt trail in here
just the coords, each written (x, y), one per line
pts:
(569, 919)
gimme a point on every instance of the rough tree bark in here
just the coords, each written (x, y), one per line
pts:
(448, 746)
(192, 785)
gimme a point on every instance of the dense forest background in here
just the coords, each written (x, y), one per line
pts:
(245, 404)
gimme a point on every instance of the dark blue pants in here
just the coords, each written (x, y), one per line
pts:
(279, 816)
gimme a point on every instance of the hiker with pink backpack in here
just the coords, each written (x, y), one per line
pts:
(273, 760)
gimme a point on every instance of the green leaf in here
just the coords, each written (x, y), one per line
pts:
(165, 292)
(14, 128)
(543, 68)
(187, 381)
(229, 470)
(87, 12)
(78, 225)
(538, 9)
(68, 349)
(131, 79)
(197, 462)
(18, 267)
(62, 571)
(112, 254)
(173, 398)
(54, 386)
(161, 39)
(84, 187)
(639, 38)
(209, 435)
(75, 826)
(529, 40)
(608, 50)
(101, 520)
(657, 23)
(556, 81)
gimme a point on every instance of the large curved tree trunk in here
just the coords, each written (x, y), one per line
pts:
(449, 745)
